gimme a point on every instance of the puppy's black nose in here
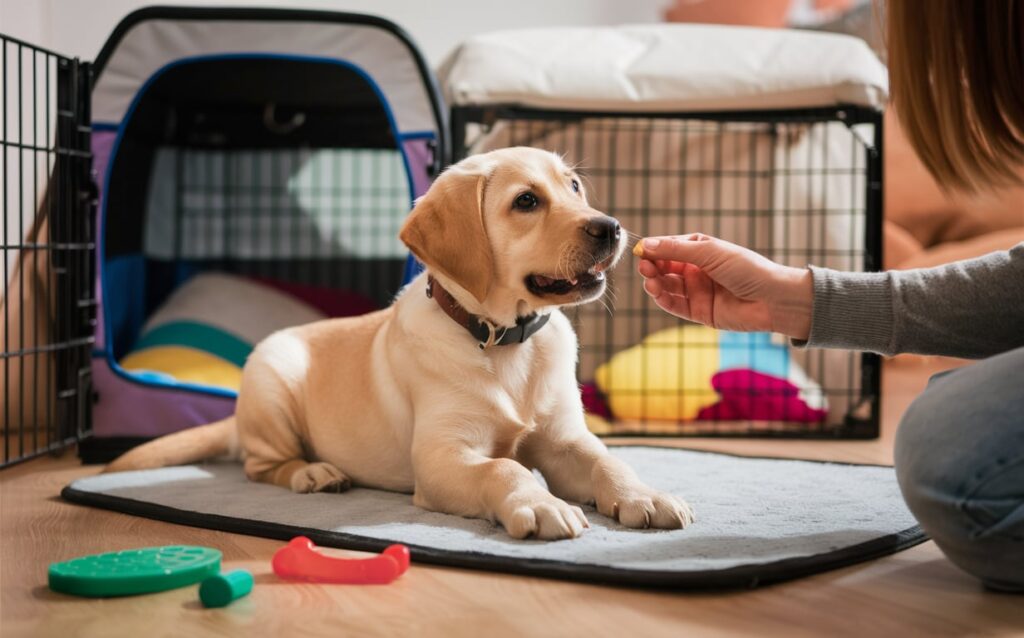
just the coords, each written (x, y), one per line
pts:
(604, 229)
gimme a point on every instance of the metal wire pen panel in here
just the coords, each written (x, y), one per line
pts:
(800, 187)
(47, 198)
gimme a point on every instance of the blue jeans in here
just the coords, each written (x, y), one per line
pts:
(960, 465)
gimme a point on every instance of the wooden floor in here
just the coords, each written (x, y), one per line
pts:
(914, 593)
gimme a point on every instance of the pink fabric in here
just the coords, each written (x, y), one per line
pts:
(748, 394)
(420, 154)
(593, 401)
(102, 145)
(330, 301)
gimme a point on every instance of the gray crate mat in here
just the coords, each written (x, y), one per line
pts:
(758, 520)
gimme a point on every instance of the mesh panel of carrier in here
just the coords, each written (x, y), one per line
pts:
(47, 306)
(800, 187)
(322, 217)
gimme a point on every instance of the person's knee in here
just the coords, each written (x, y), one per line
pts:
(965, 419)
(928, 454)
(960, 465)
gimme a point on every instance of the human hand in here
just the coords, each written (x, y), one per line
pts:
(722, 285)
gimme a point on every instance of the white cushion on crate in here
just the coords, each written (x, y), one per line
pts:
(665, 67)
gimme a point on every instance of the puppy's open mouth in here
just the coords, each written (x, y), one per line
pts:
(585, 281)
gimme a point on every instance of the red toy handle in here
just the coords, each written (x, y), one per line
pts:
(299, 560)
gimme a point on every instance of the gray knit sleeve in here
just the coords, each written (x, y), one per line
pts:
(972, 308)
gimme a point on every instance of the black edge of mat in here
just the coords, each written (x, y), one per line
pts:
(740, 577)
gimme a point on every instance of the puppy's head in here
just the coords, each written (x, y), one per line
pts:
(514, 226)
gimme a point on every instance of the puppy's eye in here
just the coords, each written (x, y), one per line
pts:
(575, 186)
(526, 202)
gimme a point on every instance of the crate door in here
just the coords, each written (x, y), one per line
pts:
(47, 287)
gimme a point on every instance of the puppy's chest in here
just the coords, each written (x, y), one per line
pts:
(522, 395)
(525, 388)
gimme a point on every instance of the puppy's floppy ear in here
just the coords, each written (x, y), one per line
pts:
(446, 229)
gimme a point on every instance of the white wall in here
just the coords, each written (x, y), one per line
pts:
(79, 27)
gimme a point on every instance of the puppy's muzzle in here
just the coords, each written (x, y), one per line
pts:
(598, 250)
(604, 234)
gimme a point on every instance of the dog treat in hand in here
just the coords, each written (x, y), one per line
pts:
(638, 250)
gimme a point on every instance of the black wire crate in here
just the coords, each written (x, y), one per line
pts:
(47, 197)
(798, 186)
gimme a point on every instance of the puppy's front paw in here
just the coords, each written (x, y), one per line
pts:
(642, 507)
(542, 516)
(319, 477)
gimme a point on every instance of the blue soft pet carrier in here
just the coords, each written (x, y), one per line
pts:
(255, 167)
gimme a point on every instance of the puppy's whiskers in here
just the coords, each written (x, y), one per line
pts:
(632, 239)
(566, 258)
(608, 299)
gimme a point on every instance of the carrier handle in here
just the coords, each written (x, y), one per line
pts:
(281, 128)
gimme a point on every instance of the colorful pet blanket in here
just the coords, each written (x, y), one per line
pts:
(693, 372)
(205, 330)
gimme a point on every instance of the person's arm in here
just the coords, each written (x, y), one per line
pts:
(972, 308)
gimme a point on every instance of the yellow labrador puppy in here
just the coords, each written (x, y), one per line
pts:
(464, 384)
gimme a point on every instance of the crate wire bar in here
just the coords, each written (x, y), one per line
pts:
(47, 201)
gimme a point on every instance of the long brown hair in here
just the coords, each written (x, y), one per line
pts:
(956, 73)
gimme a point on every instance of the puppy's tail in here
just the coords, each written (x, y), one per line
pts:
(219, 439)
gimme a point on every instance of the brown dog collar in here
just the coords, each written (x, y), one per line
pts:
(485, 332)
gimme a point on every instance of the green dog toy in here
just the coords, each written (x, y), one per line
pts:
(134, 571)
(221, 589)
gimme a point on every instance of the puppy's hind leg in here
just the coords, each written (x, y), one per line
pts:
(299, 475)
(274, 452)
(268, 421)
